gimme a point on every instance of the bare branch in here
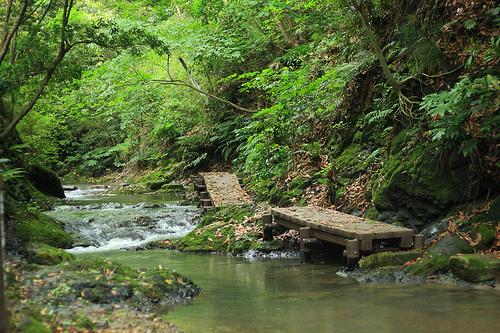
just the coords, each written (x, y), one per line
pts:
(187, 85)
(188, 72)
(64, 48)
(5, 27)
(6, 42)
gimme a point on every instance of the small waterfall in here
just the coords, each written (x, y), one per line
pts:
(103, 222)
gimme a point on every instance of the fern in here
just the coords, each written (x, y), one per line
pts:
(464, 114)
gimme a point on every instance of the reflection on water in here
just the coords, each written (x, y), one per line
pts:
(285, 296)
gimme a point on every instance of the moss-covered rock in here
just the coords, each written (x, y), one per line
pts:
(106, 282)
(351, 160)
(429, 264)
(31, 325)
(475, 267)
(387, 259)
(274, 245)
(450, 245)
(90, 293)
(412, 178)
(43, 254)
(437, 256)
(35, 227)
(46, 181)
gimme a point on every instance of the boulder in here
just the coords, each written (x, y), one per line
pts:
(387, 259)
(274, 245)
(475, 267)
(413, 180)
(46, 181)
(143, 221)
(438, 256)
(36, 227)
(43, 254)
(70, 188)
(449, 246)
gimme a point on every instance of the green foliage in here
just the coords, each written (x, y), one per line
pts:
(465, 115)
(7, 173)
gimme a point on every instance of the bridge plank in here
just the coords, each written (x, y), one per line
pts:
(224, 189)
(340, 224)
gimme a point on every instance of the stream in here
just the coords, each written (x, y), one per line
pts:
(266, 295)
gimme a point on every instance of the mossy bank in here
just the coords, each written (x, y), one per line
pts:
(86, 294)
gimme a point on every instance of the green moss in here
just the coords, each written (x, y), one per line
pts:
(475, 267)
(274, 245)
(486, 234)
(351, 161)
(438, 255)
(371, 213)
(104, 281)
(31, 325)
(33, 226)
(84, 322)
(429, 264)
(44, 254)
(412, 176)
(224, 230)
(171, 187)
(449, 246)
(386, 259)
(156, 185)
(230, 214)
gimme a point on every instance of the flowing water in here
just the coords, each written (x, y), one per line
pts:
(111, 222)
(281, 295)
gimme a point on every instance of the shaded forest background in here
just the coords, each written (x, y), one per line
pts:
(148, 90)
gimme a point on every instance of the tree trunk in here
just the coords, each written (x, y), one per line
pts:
(362, 12)
(4, 313)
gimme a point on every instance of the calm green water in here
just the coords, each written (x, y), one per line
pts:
(241, 295)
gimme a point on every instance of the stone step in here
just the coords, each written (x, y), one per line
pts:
(200, 188)
(206, 202)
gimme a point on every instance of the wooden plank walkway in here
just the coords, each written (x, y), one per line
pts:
(357, 234)
(220, 189)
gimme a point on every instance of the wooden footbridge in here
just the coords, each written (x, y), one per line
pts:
(358, 235)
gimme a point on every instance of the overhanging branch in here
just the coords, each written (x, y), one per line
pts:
(200, 91)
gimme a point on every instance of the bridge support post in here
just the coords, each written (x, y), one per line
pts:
(305, 249)
(418, 241)
(269, 227)
(352, 248)
(406, 242)
(366, 243)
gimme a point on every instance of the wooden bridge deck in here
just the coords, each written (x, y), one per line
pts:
(355, 233)
(220, 189)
